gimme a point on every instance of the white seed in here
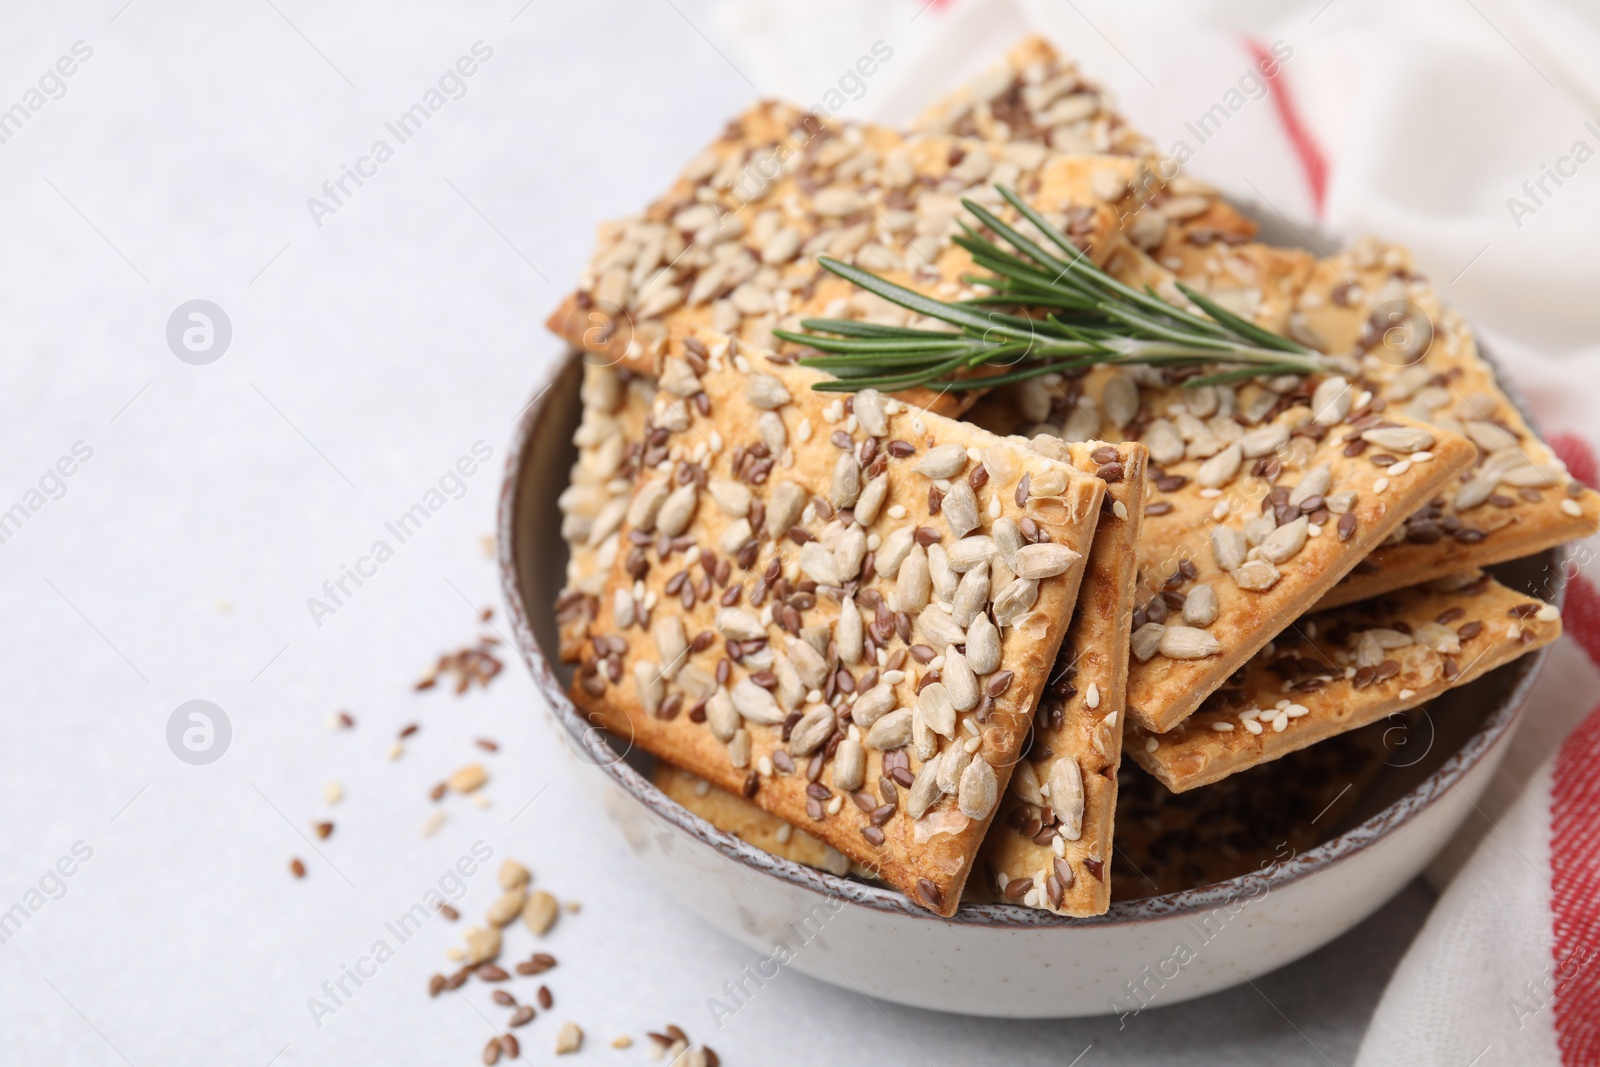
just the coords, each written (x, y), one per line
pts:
(960, 509)
(845, 487)
(935, 708)
(755, 703)
(1200, 605)
(1282, 544)
(734, 535)
(770, 428)
(818, 563)
(913, 585)
(872, 705)
(1228, 547)
(1315, 482)
(978, 791)
(959, 681)
(938, 629)
(1260, 528)
(1331, 401)
(1043, 560)
(622, 608)
(1442, 639)
(678, 509)
(1187, 642)
(970, 552)
(649, 686)
(848, 634)
(721, 717)
(739, 748)
(741, 624)
(784, 506)
(646, 504)
(891, 732)
(870, 412)
(870, 502)
(1120, 400)
(814, 728)
(678, 378)
(924, 791)
(732, 498)
(1146, 641)
(1220, 469)
(1066, 796)
(671, 643)
(766, 392)
(1015, 600)
(894, 550)
(1475, 492)
(1257, 575)
(808, 663)
(1007, 538)
(849, 765)
(944, 579)
(1264, 442)
(983, 645)
(1163, 441)
(951, 764)
(971, 597)
(1400, 438)
(945, 461)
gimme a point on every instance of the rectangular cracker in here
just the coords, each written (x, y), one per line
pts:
(609, 439)
(737, 816)
(1517, 498)
(761, 419)
(1186, 523)
(1077, 731)
(1333, 671)
(725, 251)
(1247, 823)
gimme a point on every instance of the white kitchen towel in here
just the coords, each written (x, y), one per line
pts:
(1470, 131)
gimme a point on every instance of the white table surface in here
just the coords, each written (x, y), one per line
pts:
(368, 354)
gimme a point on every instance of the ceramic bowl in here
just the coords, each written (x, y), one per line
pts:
(998, 959)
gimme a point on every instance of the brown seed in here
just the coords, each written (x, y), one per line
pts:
(927, 890)
(522, 1016)
(1347, 525)
(449, 912)
(346, 721)
(1467, 631)
(546, 1001)
(875, 837)
(1022, 490)
(458, 979)
(436, 985)
(508, 1044)
(504, 999)
(408, 730)
(491, 1051)
(297, 868)
(324, 830)
(489, 972)
(438, 791)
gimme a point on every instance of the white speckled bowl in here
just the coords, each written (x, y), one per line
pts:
(1004, 960)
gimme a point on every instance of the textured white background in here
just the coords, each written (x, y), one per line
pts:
(367, 356)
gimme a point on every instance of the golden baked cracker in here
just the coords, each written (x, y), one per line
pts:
(1337, 670)
(1049, 846)
(744, 820)
(609, 439)
(1247, 823)
(1035, 95)
(1421, 359)
(702, 593)
(1229, 468)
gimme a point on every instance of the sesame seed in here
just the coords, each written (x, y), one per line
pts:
(1571, 507)
(1151, 744)
(1407, 694)
(1222, 727)
(1380, 485)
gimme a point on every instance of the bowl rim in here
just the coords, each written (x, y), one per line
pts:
(589, 744)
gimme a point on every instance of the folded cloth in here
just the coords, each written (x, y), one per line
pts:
(1470, 132)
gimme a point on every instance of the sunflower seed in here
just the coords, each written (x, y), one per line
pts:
(756, 703)
(893, 550)
(740, 624)
(646, 505)
(870, 415)
(952, 762)
(944, 579)
(734, 536)
(1043, 560)
(1315, 482)
(1186, 642)
(891, 732)
(1228, 547)
(766, 392)
(913, 585)
(1007, 538)
(818, 563)
(1475, 492)
(970, 552)
(649, 686)
(938, 629)
(1163, 441)
(1331, 402)
(1220, 469)
(1066, 796)
(848, 634)
(678, 379)
(769, 427)
(1200, 605)
(671, 643)
(1120, 400)
(1146, 641)
(1257, 575)
(983, 646)
(978, 791)
(945, 461)
(935, 708)
(732, 498)
(871, 500)
(845, 488)
(1015, 600)
(721, 717)
(960, 509)
(1400, 438)
(815, 727)
(849, 765)
(808, 663)
(1263, 442)
(872, 705)
(971, 597)
(677, 510)
(1282, 544)
(924, 791)
(784, 505)
(960, 683)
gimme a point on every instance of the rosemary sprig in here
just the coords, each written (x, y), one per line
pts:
(1064, 313)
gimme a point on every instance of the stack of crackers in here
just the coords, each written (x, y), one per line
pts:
(906, 636)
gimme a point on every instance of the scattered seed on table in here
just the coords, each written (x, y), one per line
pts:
(297, 868)
(546, 1000)
(522, 1016)
(504, 999)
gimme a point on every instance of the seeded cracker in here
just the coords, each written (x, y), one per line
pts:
(1050, 846)
(1340, 669)
(609, 440)
(1420, 357)
(733, 245)
(799, 639)
(737, 816)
